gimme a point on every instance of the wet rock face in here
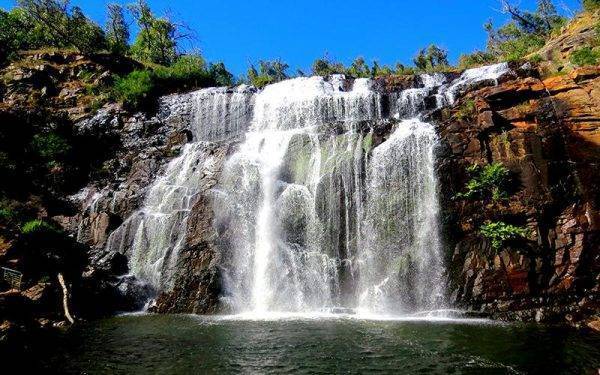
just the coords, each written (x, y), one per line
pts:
(546, 132)
(197, 282)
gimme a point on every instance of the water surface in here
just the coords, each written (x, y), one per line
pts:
(190, 344)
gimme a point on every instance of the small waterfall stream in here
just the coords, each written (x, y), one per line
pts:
(311, 217)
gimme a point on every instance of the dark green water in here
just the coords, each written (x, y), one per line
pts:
(185, 344)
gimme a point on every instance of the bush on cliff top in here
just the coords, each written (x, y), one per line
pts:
(140, 87)
(135, 88)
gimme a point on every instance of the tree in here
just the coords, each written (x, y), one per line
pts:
(325, 67)
(547, 12)
(268, 72)
(220, 74)
(541, 22)
(87, 37)
(14, 33)
(117, 31)
(64, 25)
(359, 68)
(431, 57)
(157, 40)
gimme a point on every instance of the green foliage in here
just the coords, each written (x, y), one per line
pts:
(324, 67)
(585, 56)
(541, 22)
(60, 25)
(158, 37)
(498, 232)
(268, 72)
(117, 31)
(431, 58)
(139, 87)
(476, 59)
(46, 250)
(37, 226)
(488, 182)
(526, 33)
(187, 67)
(14, 34)
(536, 59)
(512, 43)
(381, 71)
(466, 110)
(50, 146)
(359, 69)
(219, 73)
(6, 214)
(135, 88)
(591, 5)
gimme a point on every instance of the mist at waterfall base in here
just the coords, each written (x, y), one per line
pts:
(313, 217)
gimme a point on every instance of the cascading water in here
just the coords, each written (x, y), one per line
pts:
(310, 216)
(153, 236)
(401, 250)
(277, 194)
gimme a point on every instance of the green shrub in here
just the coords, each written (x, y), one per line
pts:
(498, 232)
(536, 59)
(324, 67)
(188, 71)
(475, 59)
(219, 73)
(518, 48)
(50, 146)
(6, 214)
(268, 72)
(37, 226)
(135, 88)
(585, 56)
(359, 69)
(432, 58)
(466, 110)
(488, 182)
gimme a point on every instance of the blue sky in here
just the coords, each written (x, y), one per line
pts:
(242, 31)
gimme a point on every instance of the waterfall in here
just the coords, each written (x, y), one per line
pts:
(313, 211)
(401, 256)
(277, 193)
(220, 113)
(153, 236)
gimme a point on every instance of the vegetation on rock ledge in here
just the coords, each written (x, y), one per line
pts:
(498, 232)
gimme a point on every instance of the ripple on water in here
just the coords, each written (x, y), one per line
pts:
(189, 344)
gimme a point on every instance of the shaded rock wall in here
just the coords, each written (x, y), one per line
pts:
(546, 131)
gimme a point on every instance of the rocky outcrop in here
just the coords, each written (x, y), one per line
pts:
(197, 280)
(546, 131)
(64, 81)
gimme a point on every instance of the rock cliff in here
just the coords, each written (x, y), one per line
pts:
(545, 130)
